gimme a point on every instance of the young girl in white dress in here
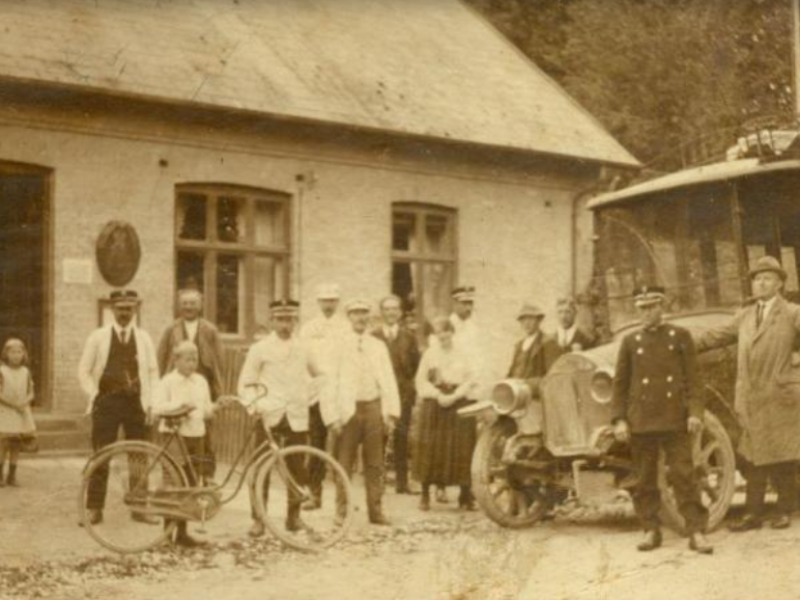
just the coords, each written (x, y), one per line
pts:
(16, 395)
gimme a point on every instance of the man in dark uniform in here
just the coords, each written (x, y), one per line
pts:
(535, 353)
(657, 406)
(404, 352)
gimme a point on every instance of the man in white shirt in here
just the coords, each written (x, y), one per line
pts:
(467, 335)
(569, 336)
(319, 335)
(365, 405)
(282, 365)
(182, 388)
(117, 372)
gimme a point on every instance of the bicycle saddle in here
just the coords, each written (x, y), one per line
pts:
(176, 413)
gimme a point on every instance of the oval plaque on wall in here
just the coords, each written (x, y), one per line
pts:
(118, 253)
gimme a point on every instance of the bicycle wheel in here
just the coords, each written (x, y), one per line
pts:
(279, 486)
(133, 475)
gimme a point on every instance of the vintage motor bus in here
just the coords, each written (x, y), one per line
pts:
(696, 232)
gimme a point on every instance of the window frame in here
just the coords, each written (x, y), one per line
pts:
(423, 257)
(212, 247)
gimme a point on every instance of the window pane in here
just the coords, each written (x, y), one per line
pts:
(190, 273)
(230, 220)
(438, 235)
(270, 224)
(404, 232)
(268, 285)
(230, 293)
(192, 216)
(437, 286)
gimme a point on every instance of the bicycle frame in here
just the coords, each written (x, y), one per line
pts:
(261, 454)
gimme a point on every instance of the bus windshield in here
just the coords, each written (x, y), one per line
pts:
(682, 240)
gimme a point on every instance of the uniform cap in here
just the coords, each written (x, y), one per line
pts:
(124, 298)
(284, 307)
(767, 264)
(328, 291)
(464, 293)
(530, 310)
(648, 295)
(357, 305)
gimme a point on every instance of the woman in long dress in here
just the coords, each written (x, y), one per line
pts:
(446, 442)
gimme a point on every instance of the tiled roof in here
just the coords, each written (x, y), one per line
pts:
(421, 67)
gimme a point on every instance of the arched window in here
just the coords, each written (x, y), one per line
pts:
(424, 257)
(232, 243)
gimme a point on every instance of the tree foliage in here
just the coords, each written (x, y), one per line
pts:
(661, 74)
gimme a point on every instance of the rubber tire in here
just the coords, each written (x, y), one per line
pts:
(480, 470)
(103, 456)
(265, 467)
(669, 509)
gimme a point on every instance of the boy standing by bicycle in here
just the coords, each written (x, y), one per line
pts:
(280, 363)
(185, 388)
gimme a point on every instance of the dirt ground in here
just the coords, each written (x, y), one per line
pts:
(440, 555)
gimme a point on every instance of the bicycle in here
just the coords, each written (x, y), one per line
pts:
(147, 484)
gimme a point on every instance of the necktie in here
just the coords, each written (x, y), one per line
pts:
(759, 314)
(123, 336)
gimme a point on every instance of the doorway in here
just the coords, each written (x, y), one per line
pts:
(23, 266)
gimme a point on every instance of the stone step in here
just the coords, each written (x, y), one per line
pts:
(46, 422)
(64, 441)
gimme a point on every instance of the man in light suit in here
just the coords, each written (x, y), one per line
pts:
(364, 404)
(118, 372)
(320, 335)
(190, 326)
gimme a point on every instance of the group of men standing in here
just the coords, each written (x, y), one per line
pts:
(340, 384)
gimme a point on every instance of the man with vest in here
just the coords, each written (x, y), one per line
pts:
(118, 372)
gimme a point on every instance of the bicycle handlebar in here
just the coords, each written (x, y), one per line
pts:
(228, 398)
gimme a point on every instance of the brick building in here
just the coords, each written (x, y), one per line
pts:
(260, 148)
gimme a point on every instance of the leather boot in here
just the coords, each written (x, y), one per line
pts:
(699, 543)
(652, 540)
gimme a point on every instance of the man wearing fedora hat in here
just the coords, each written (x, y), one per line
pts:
(767, 399)
(657, 406)
(535, 353)
(117, 371)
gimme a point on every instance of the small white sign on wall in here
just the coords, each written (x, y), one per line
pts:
(78, 270)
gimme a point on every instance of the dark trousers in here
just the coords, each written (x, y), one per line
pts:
(109, 413)
(209, 459)
(783, 478)
(365, 429)
(677, 448)
(318, 437)
(286, 437)
(401, 445)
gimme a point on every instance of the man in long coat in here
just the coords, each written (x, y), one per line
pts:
(767, 392)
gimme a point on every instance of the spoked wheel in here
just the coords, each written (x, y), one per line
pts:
(499, 492)
(138, 473)
(280, 489)
(715, 468)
